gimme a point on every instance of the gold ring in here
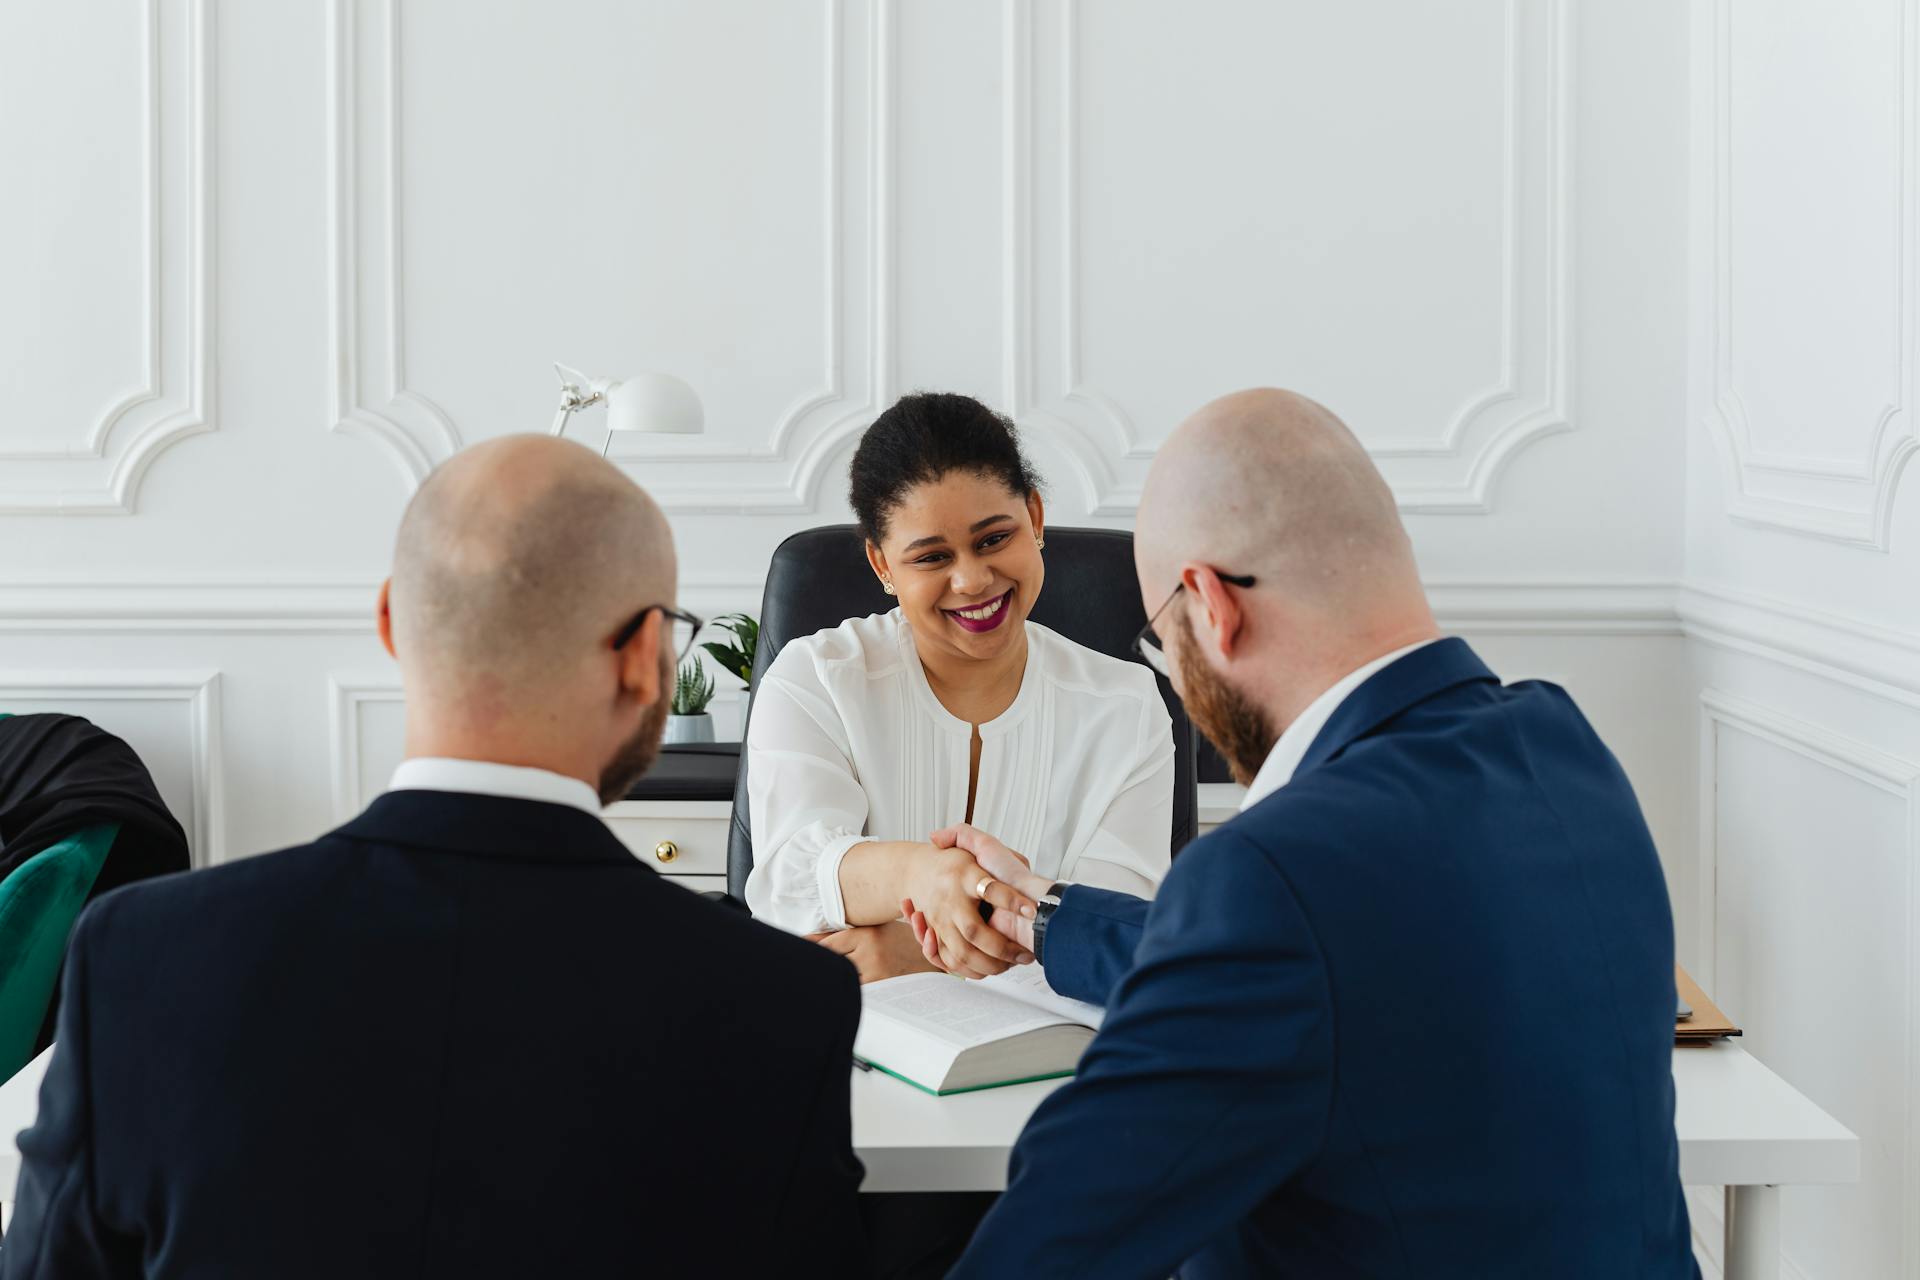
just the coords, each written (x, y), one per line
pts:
(980, 890)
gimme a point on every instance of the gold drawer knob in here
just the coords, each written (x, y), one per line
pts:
(666, 851)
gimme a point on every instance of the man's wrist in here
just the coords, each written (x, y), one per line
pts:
(1048, 901)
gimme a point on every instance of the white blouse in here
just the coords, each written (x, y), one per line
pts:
(847, 743)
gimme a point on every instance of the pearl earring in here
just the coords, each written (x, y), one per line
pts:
(886, 586)
(1039, 544)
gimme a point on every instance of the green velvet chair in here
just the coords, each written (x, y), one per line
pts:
(38, 904)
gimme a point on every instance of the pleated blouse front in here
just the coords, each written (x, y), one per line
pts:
(848, 743)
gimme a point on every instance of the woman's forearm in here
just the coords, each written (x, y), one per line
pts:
(874, 878)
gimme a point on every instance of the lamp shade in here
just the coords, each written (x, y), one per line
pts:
(654, 402)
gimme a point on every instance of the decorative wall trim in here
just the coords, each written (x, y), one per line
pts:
(228, 606)
(372, 348)
(346, 695)
(198, 691)
(345, 605)
(1844, 500)
(1452, 473)
(1554, 606)
(1899, 778)
(368, 325)
(1874, 659)
(173, 398)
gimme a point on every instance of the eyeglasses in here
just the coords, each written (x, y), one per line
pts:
(685, 627)
(1148, 645)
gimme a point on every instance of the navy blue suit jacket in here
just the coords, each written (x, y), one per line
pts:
(1411, 1015)
(461, 1036)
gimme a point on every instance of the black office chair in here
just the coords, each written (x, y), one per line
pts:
(819, 579)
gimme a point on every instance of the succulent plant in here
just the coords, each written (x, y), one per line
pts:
(692, 689)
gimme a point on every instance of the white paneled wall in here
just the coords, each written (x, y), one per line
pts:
(1622, 295)
(1803, 580)
(275, 262)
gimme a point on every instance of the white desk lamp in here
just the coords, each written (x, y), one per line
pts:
(658, 403)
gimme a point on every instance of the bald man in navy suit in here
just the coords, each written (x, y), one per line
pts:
(1411, 1012)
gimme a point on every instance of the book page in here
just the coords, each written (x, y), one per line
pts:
(953, 1010)
(1028, 983)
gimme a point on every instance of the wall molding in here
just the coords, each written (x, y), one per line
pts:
(415, 431)
(197, 690)
(239, 605)
(173, 399)
(1874, 659)
(1897, 777)
(347, 694)
(1841, 500)
(368, 325)
(1452, 473)
(344, 605)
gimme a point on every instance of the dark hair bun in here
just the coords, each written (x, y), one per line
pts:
(923, 437)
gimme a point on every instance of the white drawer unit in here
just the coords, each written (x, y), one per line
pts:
(684, 840)
(1219, 802)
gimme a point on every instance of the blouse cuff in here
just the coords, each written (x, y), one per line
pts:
(833, 907)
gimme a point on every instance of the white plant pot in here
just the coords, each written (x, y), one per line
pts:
(689, 728)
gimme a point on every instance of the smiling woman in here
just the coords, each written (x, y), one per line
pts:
(871, 736)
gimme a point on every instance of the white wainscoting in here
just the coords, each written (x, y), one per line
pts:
(159, 92)
(1799, 603)
(1811, 396)
(1809, 845)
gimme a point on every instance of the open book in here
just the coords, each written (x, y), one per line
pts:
(948, 1035)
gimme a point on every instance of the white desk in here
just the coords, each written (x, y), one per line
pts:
(1740, 1126)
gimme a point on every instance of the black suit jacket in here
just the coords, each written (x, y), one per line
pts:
(461, 1036)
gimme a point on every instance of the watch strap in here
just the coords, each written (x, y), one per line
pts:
(1043, 910)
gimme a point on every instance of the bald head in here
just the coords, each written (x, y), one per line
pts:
(1269, 483)
(515, 560)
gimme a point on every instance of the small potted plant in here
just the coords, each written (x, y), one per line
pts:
(688, 719)
(736, 658)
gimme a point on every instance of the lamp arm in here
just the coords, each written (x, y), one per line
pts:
(571, 400)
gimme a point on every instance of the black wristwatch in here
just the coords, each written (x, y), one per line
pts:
(1044, 907)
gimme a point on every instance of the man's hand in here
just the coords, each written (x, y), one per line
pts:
(995, 859)
(878, 950)
(948, 886)
(1004, 865)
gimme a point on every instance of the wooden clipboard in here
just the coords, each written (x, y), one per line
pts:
(1707, 1022)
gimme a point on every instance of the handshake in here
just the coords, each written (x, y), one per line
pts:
(976, 917)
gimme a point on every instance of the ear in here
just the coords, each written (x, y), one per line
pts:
(383, 617)
(1216, 614)
(877, 560)
(1037, 513)
(642, 667)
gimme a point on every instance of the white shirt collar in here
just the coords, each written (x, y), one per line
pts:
(1287, 753)
(484, 777)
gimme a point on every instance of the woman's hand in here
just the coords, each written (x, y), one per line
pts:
(878, 950)
(947, 887)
